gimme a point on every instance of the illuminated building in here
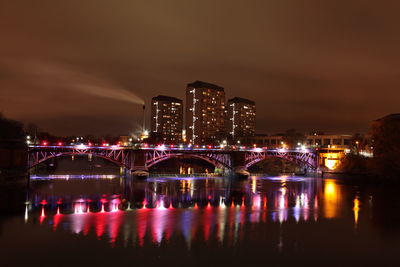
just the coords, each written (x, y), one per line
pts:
(167, 118)
(205, 113)
(125, 140)
(329, 141)
(241, 121)
(341, 141)
(332, 148)
(144, 135)
(184, 135)
(265, 140)
(331, 158)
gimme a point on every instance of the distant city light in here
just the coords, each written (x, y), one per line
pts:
(161, 147)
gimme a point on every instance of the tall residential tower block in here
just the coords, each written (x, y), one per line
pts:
(167, 119)
(241, 122)
(205, 113)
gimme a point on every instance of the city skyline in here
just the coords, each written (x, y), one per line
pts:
(227, 131)
(209, 117)
(330, 67)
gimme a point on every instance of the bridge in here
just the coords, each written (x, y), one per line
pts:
(144, 157)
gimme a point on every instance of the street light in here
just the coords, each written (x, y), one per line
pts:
(357, 142)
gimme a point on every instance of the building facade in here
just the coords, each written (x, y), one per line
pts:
(166, 119)
(340, 141)
(385, 136)
(331, 148)
(329, 141)
(205, 113)
(265, 140)
(241, 122)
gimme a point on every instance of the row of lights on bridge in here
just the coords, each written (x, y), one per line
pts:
(59, 143)
(161, 146)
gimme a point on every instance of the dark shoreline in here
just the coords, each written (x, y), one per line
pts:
(361, 178)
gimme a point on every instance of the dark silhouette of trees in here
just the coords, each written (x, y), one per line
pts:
(11, 129)
(291, 137)
(13, 156)
(32, 129)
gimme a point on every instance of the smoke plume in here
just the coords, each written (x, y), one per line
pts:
(46, 76)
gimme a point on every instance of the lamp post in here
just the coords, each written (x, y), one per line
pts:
(357, 148)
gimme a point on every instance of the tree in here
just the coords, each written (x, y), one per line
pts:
(291, 138)
(11, 129)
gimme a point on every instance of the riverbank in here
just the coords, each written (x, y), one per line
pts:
(13, 181)
(365, 170)
(361, 178)
(13, 188)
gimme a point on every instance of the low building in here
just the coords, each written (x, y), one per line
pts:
(329, 141)
(332, 148)
(385, 146)
(269, 141)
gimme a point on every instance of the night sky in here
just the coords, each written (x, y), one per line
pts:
(75, 68)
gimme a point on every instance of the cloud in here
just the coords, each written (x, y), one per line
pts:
(309, 61)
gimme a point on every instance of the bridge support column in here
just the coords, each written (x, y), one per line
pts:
(224, 171)
(239, 169)
(138, 163)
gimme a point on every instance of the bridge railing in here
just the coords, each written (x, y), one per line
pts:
(166, 148)
(168, 175)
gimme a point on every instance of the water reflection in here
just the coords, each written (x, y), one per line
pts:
(332, 199)
(132, 212)
(356, 209)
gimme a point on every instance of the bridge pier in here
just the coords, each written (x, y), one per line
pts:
(138, 165)
(223, 171)
(238, 161)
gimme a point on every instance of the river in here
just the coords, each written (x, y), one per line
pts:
(89, 220)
